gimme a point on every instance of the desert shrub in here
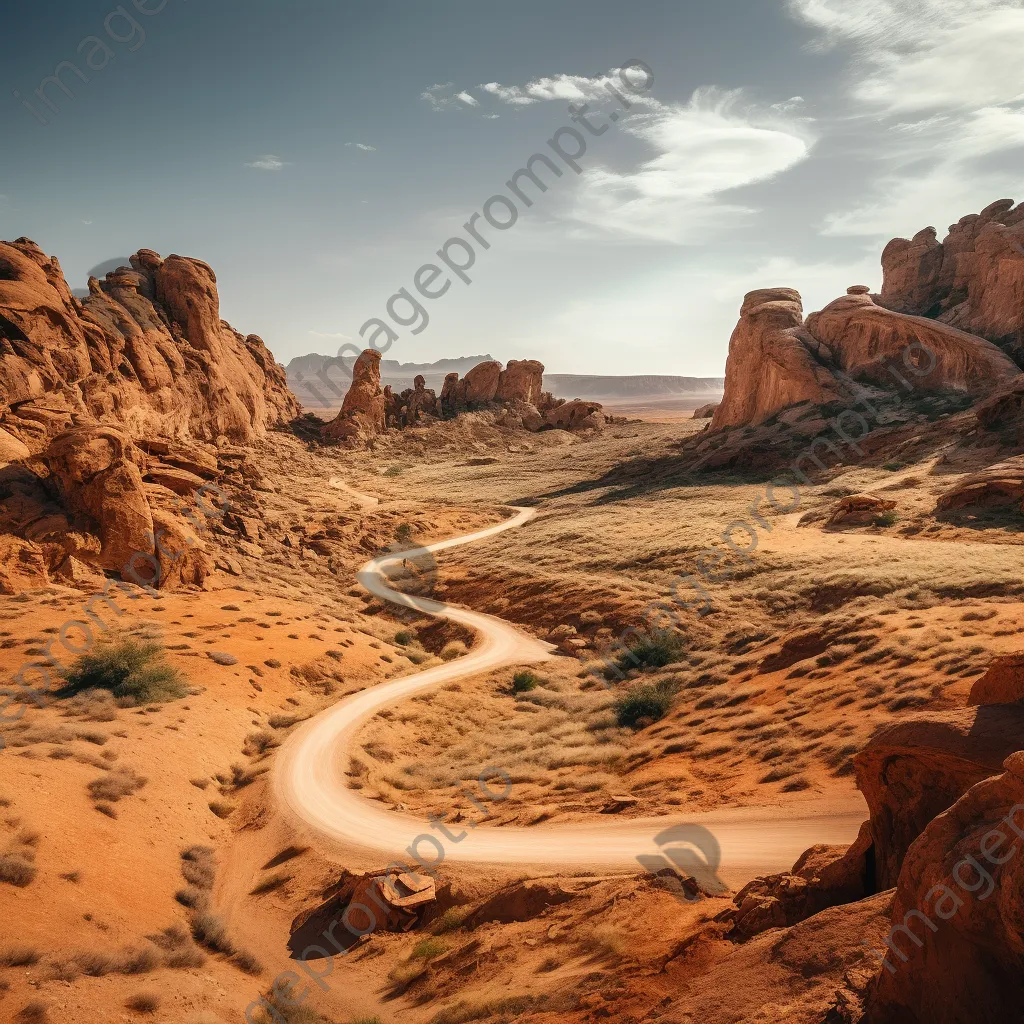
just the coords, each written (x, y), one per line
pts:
(451, 919)
(403, 637)
(209, 931)
(285, 1008)
(523, 681)
(95, 964)
(144, 1002)
(656, 649)
(395, 470)
(115, 785)
(36, 1012)
(259, 743)
(427, 949)
(184, 958)
(18, 956)
(139, 961)
(106, 809)
(132, 671)
(16, 870)
(247, 963)
(890, 518)
(453, 650)
(463, 1012)
(644, 704)
(172, 937)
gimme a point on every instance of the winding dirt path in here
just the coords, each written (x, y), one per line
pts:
(310, 779)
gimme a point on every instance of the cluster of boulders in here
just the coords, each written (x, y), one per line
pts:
(950, 316)
(514, 393)
(118, 413)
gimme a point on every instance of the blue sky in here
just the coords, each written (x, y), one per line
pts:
(317, 153)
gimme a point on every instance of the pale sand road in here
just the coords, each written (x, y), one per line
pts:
(311, 784)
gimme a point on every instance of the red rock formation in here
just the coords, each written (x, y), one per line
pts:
(146, 350)
(973, 280)
(957, 922)
(521, 381)
(705, 412)
(1002, 683)
(867, 338)
(421, 403)
(912, 771)
(480, 384)
(449, 396)
(578, 414)
(1001, 484)
(362, 412)
(773, 362)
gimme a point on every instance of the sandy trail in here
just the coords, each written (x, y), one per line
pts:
(310, 779)
(366, 500)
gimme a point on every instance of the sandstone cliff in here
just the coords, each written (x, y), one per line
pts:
(146, 350)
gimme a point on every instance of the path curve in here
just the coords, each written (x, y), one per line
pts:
(310, 781)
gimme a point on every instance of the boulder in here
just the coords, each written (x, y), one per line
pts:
(1002, 683)
(773, 362)
(146, 351)
(1001, 484)
(915, 770)
(480, 385)
(705, 412)
(578, 414)
(449, 400)
(872, 342)
(521, 380)
(22, 565)
(858, 510)
(912, 269)
(956, 948)
(362, 412)
(1003, 410)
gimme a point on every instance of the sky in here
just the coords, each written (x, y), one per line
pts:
(317, 154)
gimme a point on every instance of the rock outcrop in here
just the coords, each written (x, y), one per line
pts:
(521, 381)
(146, 351)
(859, 509)
(1001, 484)
(705, 412)
(915, 770)
(1002, 683)
(973, 279)
(957, 945)
(362, 411)
(514, 395)
(480, 385)
(871, 342)
(774, 362)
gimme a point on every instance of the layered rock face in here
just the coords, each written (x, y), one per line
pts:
(870, 341)
(146, 351)
(959, 897)
(973, 279)
(774, 362)
(515, 392)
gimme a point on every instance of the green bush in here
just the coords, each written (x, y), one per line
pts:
(644, 704)
(523, 681)
(394, 471)
(889, 518)
(403, 637)
(656, 649)
(131, 671)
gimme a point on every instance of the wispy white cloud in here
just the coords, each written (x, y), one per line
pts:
(703, 150)
(362, 145)
(470, 101)
(937, 94)
(571, 88)
(269, 162)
